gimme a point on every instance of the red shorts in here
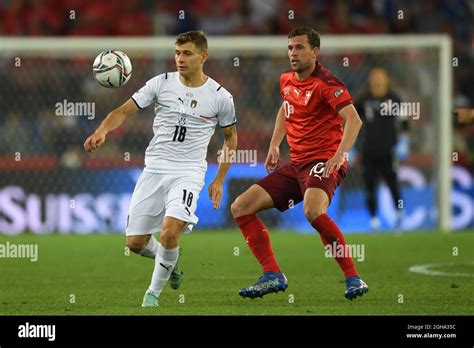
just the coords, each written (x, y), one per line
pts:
(287, 184)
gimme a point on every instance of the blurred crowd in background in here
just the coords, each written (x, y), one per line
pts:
(228, 17)
(28, 124)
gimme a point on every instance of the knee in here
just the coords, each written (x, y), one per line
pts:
(136, 243)
(312, 213)
(237, 207)
(169, 237)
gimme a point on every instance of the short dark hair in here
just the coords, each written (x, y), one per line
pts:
(196, 37)
(312, 35)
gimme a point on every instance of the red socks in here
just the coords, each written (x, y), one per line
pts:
(329, 233)
(257, 237)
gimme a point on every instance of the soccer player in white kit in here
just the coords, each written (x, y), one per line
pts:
(188, 106)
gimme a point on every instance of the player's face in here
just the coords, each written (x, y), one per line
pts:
(379, 82)
(301, 54)
(189, 59)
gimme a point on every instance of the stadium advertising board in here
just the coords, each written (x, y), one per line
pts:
(84, 201)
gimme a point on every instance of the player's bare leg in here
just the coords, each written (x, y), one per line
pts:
(165, 260)
(147, 246)
(316, 202)
(256, 235)
(253, 200)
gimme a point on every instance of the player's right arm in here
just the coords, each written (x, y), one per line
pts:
(273, 158)
(113, 120)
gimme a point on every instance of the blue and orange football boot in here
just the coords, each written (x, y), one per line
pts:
(267, 283)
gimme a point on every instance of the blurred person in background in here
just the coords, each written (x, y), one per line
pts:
(464, 115)
(382, 142)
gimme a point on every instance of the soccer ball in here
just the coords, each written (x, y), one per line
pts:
(112, 69)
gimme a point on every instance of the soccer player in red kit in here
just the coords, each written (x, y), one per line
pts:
(315, 104)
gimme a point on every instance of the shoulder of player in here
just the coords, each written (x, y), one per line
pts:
(286, 75)
(217, 89)
(394, 96)
(326, 77)
(166, 76)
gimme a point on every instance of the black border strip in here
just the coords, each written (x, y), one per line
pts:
(290, 330)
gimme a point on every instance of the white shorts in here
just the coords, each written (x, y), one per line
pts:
(158, 195)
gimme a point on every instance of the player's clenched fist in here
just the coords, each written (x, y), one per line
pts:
(273, 159)
(94, 141)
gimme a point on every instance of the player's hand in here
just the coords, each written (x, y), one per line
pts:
(334, 163)
(215, 193)
(94, 141)
(464, 115)
(273, 159)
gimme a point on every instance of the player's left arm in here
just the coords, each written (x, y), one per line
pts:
(230, 145)
(352, 125)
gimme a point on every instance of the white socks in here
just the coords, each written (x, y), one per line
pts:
(151, 248)
(164, 263)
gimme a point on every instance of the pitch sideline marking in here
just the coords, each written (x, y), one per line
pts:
(424, 269)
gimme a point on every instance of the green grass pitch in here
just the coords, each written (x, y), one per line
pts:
(92, 275)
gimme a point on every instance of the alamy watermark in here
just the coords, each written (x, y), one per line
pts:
(65, 108)
(403, 109)
(237, 156)
(356, 251)
(28, 330)
(21, 251)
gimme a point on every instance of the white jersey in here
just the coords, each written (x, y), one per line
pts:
(186, 118)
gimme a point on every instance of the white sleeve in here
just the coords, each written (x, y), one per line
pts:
(226, 110)
(148, 93)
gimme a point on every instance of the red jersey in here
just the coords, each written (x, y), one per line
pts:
(313, 126)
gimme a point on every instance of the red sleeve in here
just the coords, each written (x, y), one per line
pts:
(336, 95)
(284, 77)
(281, 84)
